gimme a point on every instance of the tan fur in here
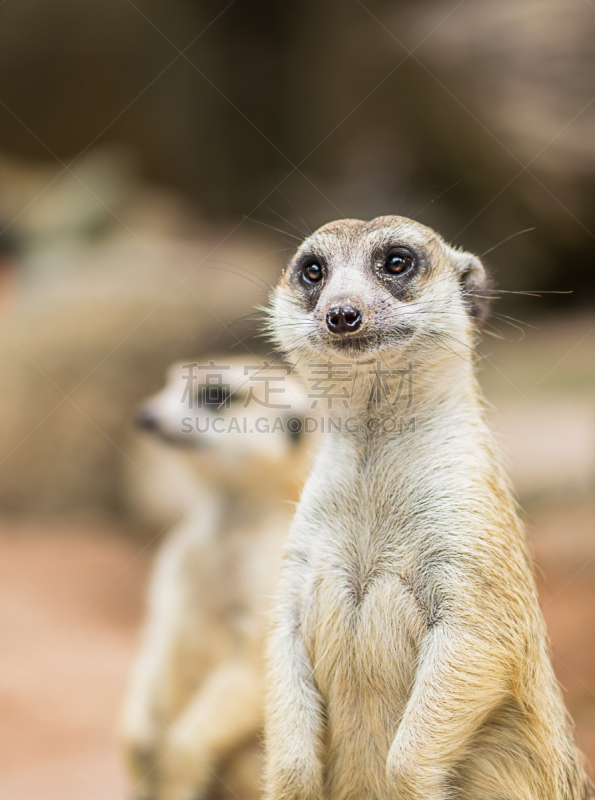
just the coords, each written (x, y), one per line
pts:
(194, 711)
(408, 658)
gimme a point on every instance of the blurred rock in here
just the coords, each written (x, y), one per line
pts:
(99, 316)
(526, 67)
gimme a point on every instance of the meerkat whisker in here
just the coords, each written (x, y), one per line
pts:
(508, 238)
(293, 208)
(438, 196)
(272, 227)
(273, 252)
(303, 233)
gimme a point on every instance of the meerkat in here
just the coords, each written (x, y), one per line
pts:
(408, 657)
(194, 710)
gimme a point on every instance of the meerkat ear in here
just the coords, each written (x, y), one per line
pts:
(475, 283)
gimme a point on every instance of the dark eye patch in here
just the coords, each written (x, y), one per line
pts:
(295, 428)
(308, 277)
(213, 396)
(397, 266)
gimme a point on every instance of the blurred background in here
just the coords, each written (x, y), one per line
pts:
(158, 163)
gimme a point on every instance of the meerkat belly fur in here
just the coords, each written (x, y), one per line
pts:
(193, 716)
(408, 657)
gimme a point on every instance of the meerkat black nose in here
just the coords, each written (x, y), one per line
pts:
(343, 319)
(144, 419)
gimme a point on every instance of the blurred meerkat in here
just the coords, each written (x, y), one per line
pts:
(408, 657)
(194, 710)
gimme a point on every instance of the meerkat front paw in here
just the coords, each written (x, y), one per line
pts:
(297, 781)
(415, 778)
(142, 761)
(186, 774)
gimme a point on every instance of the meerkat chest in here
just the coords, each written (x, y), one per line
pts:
(229, 579)
(365, 622)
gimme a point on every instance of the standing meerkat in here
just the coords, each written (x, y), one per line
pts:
(194, 710)
(408, 657)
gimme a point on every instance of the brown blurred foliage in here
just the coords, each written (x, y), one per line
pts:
(354, 108)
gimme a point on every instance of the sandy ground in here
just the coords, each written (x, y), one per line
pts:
(70, 605)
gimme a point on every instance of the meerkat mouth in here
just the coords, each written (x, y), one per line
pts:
(355, 350)
(179, 440)
(353, 344)
(368, 344)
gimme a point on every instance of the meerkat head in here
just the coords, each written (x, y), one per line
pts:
(358, 290)
(229, 413)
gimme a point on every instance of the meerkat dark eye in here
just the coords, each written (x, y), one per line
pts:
(399, 261)
(214, 396)
(312, 272)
